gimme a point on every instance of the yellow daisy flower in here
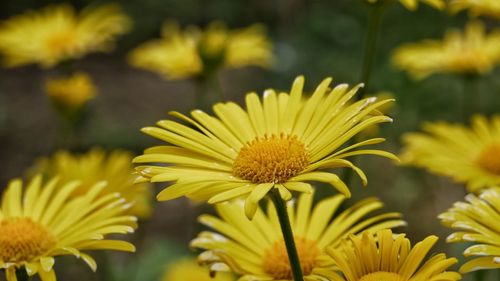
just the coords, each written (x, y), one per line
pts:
(413, 4)
(71, 92)
(56, 33)
(389, 257)
(490, 8)
(97, 165)
(44, 222)
(255, 248)
(468, 155)
(189, 270)
(477, 220)
(181, 54)
(471, 52)
(282, 142)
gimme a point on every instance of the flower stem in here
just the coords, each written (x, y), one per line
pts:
(470, 96)
(286, 229)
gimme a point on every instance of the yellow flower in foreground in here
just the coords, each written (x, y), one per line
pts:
(490, 8)
(192, 52)
(468, 155)
(389, 257)
(71, 92)
(477, 220)
(471, 52)
(280, 142)
(44, 222)
(188, 270)
(413, 4)
(255, 249)
(56, 33)
(97, 165)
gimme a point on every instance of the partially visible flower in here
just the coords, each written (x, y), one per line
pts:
(256, 250)
(44, 221)
(193, 52)
(389, 257)
(282, 142)
(189, 270)
(97, 165)
(489, 8)
(471, 52)
(413, 4)
(56, 33)
(468, 155)
(477, 220)
(71, 92)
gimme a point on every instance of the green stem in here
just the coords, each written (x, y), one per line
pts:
(286, 229)
(208, 91)
(470, 96)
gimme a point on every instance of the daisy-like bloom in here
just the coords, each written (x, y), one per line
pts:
(489, 8)
(193, 52)
(477, 221)
(468, 155)
(188, 269)
(57, 33)
(388, 257)
(97, 165)
(472, 52)
(281, 142)
(255, 248)
(44, 221)
(71, 92)
(412, 5)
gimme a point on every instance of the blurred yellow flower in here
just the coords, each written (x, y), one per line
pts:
(188, 270)
(282, 142)
(413, 4)
(45, 222)
(477, 220)
(390, 257)
(97, 165)
(468, 155)
(71, 92)
(490, 8)
(471, 52)
(192, 52)
(56, 33)
(255, 249)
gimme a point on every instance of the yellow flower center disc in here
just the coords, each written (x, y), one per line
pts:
(489, 158)
(276, 261)
(382, 276)
(22, 239)
(271, 159)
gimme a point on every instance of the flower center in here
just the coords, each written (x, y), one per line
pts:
(61, 44)
(271, 159)
(489, 158)
(276, 261)
(381, 276)
(22, 239)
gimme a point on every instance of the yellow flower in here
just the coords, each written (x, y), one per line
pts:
(181, 54)
(114, 167)
(56, 33)
(281, 142)
(382, 110)
(71, 92)
(389, 257)
(477, 220)
(255, 249)
(490, 8)
(468, 155)
(188, 270)
(472, 52)
(413, 4)
(45, 222)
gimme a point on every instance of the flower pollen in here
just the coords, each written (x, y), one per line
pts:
(382, 276)
(489, 158)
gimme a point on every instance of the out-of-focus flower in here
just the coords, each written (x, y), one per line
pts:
(468, 155)
(45, 221)
(489, 8)
(281, 142)
(188, 270)
(255, 249)
(71, 92)
(477, 220)
(97, 165)
(57, 33)
(471, 52)
(390, 257)
(193, 52)
(413, 4)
